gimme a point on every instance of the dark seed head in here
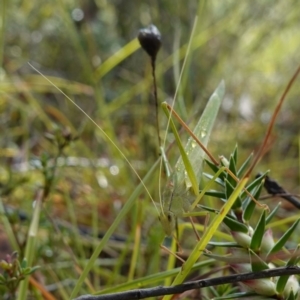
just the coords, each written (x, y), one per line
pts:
(150, 40)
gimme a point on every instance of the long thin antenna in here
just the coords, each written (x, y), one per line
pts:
(150, 40)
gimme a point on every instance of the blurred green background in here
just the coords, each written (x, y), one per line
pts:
(89, 50)
(253, 46)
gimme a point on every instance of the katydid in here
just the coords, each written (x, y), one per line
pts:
(183, 186)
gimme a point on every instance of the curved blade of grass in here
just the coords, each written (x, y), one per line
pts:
(126, 208)
(201, 245)
(116, 58)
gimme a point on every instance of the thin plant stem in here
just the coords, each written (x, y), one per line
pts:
(155, 99)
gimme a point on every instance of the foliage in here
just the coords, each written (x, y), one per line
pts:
(14, 271)
(69, 200)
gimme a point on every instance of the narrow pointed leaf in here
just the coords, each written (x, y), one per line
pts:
(281, 242)
(216, 194)
(248, 211)
(272, 213)
(232, 168)
(244, 166)
(235, 225)
(256, 182)
(257, 263)
(215, 169)
(232, 183)
(218, 180)
(291, 296)
(258, 233)
(229, 190)
(235, 156)
(281, 283)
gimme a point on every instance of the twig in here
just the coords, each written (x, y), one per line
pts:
(162, 290)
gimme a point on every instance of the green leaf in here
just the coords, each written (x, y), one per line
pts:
(291, 296)
(230, 182)
(235, 225)
(257, 263)
(250, 204)
(272, 214)
(247, 295)
(281, 283)
(235, 156)
(217, 180)
(215, 194)
(31, 270)
(215, 169)
(24, 263)
(258, 233)
(281, 242)
(248, 211)
(251, 187)
(207, 208)
(229, 190)
(244, 166)
(224, 244)
(232, 168)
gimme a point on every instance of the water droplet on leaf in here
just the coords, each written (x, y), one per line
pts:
(203, 134)
(193, 144)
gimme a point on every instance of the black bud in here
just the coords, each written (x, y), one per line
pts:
(150, 40)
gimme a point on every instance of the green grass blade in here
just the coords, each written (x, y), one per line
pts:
(116, 58)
